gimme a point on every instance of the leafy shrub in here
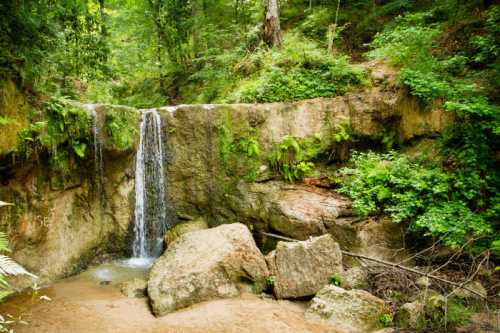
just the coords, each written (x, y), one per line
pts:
(299, 70)
(406, 42)
(315, 25)
(293, 158)
(64, 134)
(469, 145)
(424, 196)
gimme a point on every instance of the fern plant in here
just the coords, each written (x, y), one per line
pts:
(7, 265)
(292, 159)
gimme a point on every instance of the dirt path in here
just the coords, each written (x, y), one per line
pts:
(82, 305)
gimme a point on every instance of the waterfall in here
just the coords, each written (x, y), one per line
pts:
(98, 159)
(150, 207)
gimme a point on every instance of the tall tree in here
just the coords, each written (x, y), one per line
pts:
(271, 27)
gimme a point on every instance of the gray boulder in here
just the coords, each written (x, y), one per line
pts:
(204, 265)
(303, 268)
(355, 311)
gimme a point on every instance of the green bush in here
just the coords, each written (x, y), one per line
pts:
(429, 199)
(299, 70)
(293, 158)
(64, 134)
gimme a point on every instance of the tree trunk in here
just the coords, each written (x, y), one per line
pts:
(103, 18)
(271, 27)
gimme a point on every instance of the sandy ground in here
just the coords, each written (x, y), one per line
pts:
(83, 304)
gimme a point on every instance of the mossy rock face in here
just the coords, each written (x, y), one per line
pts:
(71, 227)
(120, 128)
(14, 116)
(210, 149)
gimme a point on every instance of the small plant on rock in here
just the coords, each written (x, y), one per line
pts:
(336, 280)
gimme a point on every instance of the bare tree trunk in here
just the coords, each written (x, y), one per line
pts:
(271, 27)
(103, 18)
(196, 34)
(331, 32)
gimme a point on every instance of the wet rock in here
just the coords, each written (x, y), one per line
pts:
(134, 288)
(355, 311)
(179, 229)
(203, 265)
(303, 268)
(72, 228)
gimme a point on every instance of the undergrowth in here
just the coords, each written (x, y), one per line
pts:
(457, 197)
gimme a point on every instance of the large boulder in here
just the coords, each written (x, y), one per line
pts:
(204, 265)
(351, 310)
(294, 210)
(376, 237)
(303, 268)
(300, 211)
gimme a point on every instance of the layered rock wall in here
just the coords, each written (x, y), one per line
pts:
(217, 159)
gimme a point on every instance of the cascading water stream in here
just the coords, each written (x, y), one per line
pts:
(150, 208)
(98, 157)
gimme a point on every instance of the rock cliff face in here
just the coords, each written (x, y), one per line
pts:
(54, 232)
(217, 166)
(206, 162)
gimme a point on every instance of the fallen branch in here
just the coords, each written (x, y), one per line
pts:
(393, 265)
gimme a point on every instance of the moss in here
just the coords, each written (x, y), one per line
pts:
(238, 146)
(14, 113)
(121, 128)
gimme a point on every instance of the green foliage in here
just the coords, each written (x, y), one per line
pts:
(121, 128)
(270, 280)
(298, 70)
(453, 314)
(386, 320)
(433, 202)
(64, 133)
(8, 267)
(239, 149)
(47, 47)
(342, 134)
(468, 147)
(336, 280)
(293, 158)
(5, 121)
